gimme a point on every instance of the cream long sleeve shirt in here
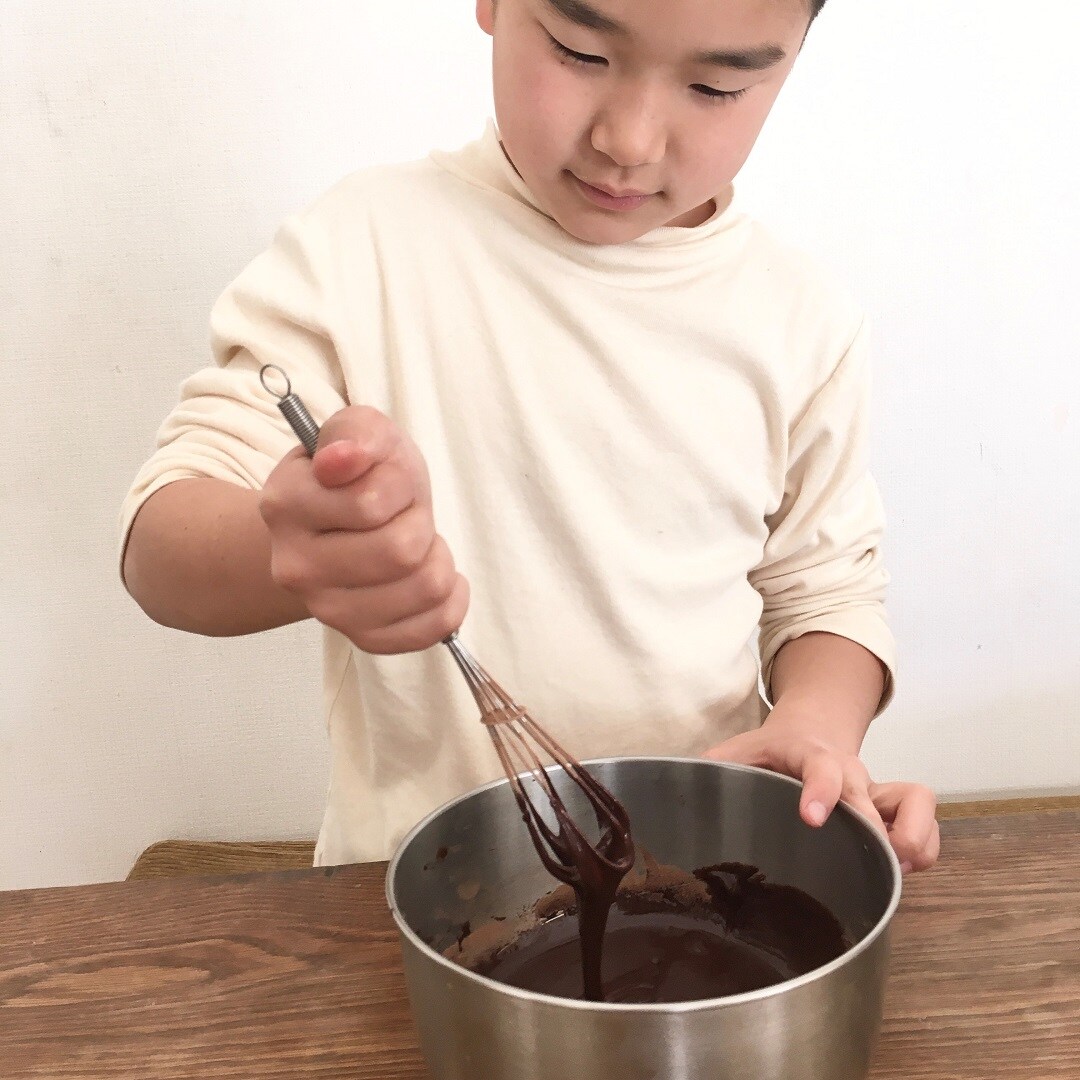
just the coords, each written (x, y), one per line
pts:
(648, 459)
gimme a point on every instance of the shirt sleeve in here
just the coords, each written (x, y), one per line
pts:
(226, 424)
(822, 568)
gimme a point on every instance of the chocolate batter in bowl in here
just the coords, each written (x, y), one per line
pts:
(671, 936)
(783, 925)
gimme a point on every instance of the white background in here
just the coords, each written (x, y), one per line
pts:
(926, 149)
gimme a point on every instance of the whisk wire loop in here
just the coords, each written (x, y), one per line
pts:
(517, 737)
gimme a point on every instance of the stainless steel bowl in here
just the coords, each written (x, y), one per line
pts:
(472, 860)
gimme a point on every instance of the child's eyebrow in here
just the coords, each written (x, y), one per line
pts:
(584, 14)
(755, 59)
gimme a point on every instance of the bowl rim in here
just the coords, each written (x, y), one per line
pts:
(667, 1008)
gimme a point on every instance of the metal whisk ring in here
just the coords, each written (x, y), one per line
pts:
(503, 715)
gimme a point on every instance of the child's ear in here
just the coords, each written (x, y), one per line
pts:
(485, 15)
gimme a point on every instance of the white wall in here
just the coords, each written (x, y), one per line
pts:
(148, 150)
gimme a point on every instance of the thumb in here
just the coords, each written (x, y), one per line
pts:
(351, 443)
(341, 462)
(823, 783)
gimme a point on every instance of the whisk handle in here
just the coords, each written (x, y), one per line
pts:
(293, 409)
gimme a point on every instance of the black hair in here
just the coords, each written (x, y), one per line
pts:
(815, 8)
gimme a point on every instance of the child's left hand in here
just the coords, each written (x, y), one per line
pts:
(830, 772)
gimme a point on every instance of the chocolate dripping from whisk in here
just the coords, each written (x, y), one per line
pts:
(594, 873)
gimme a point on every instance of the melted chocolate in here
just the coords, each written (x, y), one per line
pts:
(672, 937)
(595, 880)
(593, 871)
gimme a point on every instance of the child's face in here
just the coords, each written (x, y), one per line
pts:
(614, 115)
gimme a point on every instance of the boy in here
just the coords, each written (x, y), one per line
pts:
(561, 360)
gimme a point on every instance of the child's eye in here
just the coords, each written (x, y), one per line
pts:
(575, 57)
(712, 94)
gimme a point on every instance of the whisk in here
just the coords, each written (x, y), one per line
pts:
(519, 742)
(511, 729)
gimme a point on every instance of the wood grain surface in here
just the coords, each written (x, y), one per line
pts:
(177, 858)
(298, 974)
(180, 858)
(984, 977)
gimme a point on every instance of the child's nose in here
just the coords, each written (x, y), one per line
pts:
(630, 130)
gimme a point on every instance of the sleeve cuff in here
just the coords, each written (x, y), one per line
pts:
(865, 628)
(140, 493)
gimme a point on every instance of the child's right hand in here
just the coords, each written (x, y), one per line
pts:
(352, 535)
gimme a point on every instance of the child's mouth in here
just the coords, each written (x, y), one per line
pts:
(611, 201)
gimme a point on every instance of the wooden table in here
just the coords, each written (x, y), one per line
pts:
(298, 974)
